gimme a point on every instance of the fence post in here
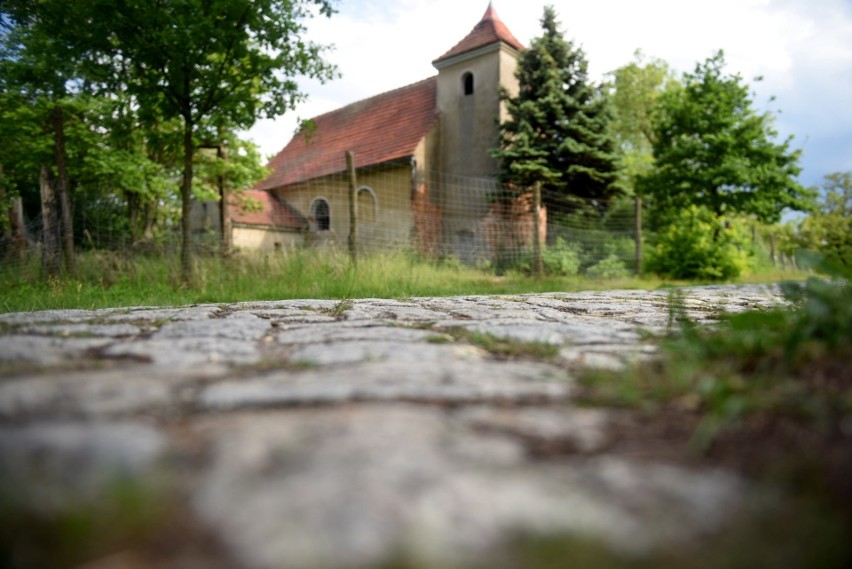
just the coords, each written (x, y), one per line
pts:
(353, 209)
(224, 197)
(773, 255)
(638, 235)
(16, 213)
(538, 263)
(50, 260)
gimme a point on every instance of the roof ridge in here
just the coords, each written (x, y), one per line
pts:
(373, 97)
(490, 29)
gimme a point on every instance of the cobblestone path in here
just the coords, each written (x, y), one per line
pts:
(316, 433)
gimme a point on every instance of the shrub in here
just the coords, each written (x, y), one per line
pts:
(611, 267)
(561, 259)
(696, 244)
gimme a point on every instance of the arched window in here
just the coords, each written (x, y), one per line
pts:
(321, 214)
(368, 205)
(467, 83)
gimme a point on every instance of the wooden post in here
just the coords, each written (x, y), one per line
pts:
(353, 209)
(66, 229)
(224, 214)
(638, 236)
(773, 255)
(538, 263)
(50, 257)
(5, 219)
(19, 239)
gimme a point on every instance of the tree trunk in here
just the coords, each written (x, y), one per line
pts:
(51, 260)
(62, 189)
(133, 217)
(186, 204)
(150, 214)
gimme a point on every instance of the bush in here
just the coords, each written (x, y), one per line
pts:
(561, 259)
(696, 244)
(611, 267)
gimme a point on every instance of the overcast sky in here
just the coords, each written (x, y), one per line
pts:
(801, 48)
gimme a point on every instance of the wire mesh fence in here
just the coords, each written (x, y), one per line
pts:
(396, 207)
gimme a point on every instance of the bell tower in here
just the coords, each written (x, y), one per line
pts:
(469, 79)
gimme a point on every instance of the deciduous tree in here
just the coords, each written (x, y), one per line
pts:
(713, 149)
(828, 230)
(204, 62)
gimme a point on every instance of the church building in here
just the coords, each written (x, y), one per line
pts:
(422, 155)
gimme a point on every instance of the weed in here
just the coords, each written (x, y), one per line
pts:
(795, 363)
(504, 348)
(339, 310)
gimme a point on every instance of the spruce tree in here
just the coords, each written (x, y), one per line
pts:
(559, 131)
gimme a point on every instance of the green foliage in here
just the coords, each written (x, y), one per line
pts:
(561, 258)
(558, 131)
(597, 236)
(712, 149)
(205, 65)
(786, 362)
(635, 89)
(242, 168)
(696, 244)
(611, 267)
(828, 229)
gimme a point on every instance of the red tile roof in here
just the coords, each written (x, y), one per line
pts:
(275, 211)
(490, 29)
(375, 130)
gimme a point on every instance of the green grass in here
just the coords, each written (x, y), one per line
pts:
(110, 279)
(795, 363)
(106, 279)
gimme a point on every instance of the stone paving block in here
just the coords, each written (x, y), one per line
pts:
(85, 393)
(333, 332)
(47, 350)
(346, 487)
(554, 428)
(187, 352)
(576, 332)
(82, 329)
(73, 315)
(246, 329)
(382, 350)
(392, 310)
(291, 315)
(162, 314)
(448, 382)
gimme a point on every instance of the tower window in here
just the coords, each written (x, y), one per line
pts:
(467, 83)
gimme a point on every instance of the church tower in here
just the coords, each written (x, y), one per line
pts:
(469, 78)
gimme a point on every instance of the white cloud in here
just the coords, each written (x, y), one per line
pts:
(802, 48)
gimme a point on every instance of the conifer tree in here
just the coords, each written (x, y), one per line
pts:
(559, 128)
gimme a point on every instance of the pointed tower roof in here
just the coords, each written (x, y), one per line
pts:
(489, 30)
